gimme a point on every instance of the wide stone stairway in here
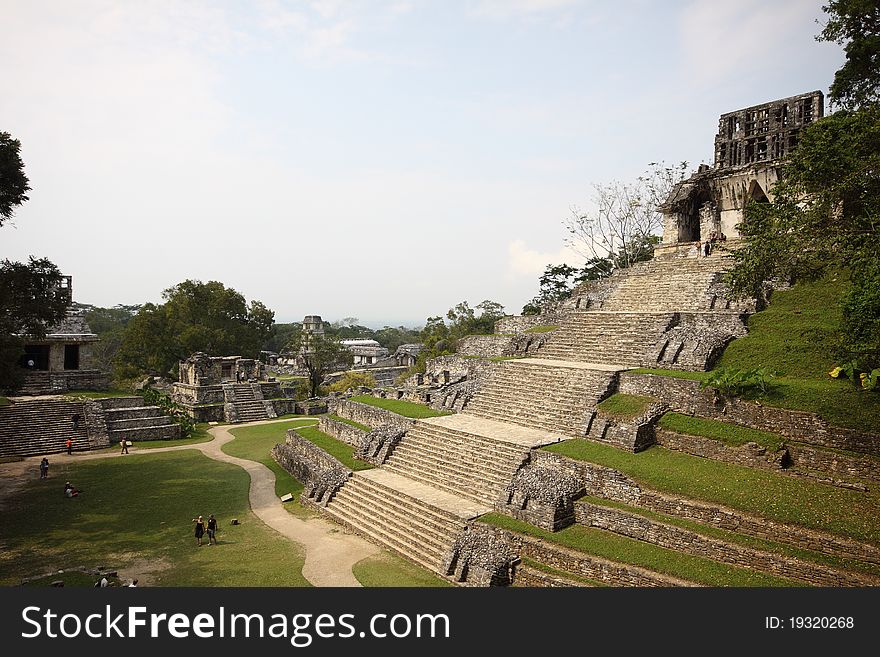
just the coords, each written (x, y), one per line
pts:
(41, 426)
(128, 418)
(447, 470)
(247, 401)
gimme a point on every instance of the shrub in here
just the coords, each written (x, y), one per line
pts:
(175, 411)
(731, 381)
(354, 380)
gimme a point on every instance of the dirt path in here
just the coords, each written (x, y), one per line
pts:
(330, 553)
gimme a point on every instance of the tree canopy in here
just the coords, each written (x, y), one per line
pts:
(855, 24)
(196, 316)
(14, 184)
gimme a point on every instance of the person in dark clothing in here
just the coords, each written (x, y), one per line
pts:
(212, 529)
(75, 419)
(200, 529)
(44, 468)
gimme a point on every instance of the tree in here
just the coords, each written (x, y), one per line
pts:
(625, 216)
(14, 184)
(325, 354)
(826, 210)
(354, 380)
(31, 301)
(196, 316)
(855, 24)
(558, 281)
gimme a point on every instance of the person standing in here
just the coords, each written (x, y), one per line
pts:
(75, 420)
(44, 468)
(200, 529)
(212, 530)
(124, 445)
(69, 447)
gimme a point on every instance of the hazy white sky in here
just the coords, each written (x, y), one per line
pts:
(377, 159)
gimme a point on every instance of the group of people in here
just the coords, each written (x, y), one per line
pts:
(209, 527)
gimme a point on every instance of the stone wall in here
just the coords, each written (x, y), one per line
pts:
(341, 431)
(542, 496)
(321, 474)
(484, 346)
(457, 367)
(579, 563)
(750, 455)
(683, 540)
(835, 463)
(96, 424)
(193, 395)
(610, 484)
(685, 396)
(365, 414)
(520, 323)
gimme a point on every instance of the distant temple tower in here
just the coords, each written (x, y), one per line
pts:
(312, 325)
(750, 148)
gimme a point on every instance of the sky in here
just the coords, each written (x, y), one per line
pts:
(376, 159)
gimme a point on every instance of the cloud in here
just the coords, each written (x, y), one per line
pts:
(523, 261)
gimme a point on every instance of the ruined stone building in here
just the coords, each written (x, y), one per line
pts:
(365, 351)
(62, 360)
(750, 147)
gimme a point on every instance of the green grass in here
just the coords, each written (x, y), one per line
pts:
(776, 496)
(740, 539)
(352, 423)
(386, 569)
(343, 452)
(102, 394)
(136, 511)
(607, 545)
(400, 406)
(733, 435)
(4, 401)
(256, 443)
(626, 407)
(75, 579)
(541, 328)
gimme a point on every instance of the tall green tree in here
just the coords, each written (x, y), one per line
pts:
(826, 210)
(326, 354)
(31, 301)
(196, 316)
(14, 184)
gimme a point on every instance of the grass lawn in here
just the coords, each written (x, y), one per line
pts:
(625, 407)
(136, 511)
(352, 423)
(4, 401)
(730, 434)
(256, 443)
(541, 328)
(627, 550)
(400, 406)
(343, 452)
(387, 569)
(537, 565)
(838, 510)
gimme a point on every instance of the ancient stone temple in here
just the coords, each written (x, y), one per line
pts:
(62, 360)
(228, 388)
(750, 147)
(365, 351)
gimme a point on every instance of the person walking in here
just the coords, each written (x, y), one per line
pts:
(200, 529)
(124, 445)
(75, 419)
(212, 530)
(44, 468)
(69, 447)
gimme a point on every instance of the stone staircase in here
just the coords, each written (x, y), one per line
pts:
(474, 467)
(129, 418)
(247, 401)
(417, 521)
(625, 339)
(41, 426)
(558, 396)
(671, 285)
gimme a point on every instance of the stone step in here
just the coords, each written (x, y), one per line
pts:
(454, 437)
(156, 432)
(455, 474)
(481, 449)
(481, 497)
(139, 422)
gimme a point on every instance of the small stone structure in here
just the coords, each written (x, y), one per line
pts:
(365, 352)
(228, 388)
(62, 360)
